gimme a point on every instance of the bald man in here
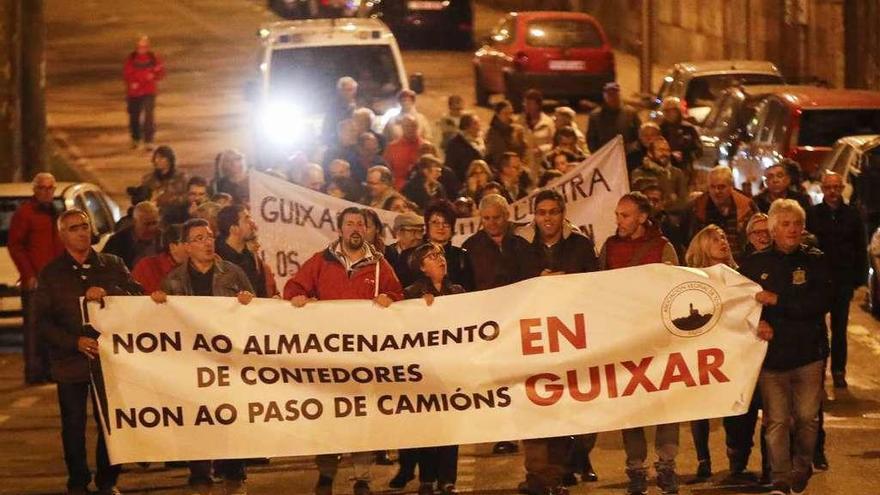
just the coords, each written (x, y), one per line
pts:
(139, 240)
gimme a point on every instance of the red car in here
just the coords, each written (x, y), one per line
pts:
(566, 55)
(801, 123)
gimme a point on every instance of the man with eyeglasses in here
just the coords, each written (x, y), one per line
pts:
(33, 242)
(778, 181)
(73, 348)
(409, 230)
(838, 227)
(207, 275)
(139, 240)
(551, 245)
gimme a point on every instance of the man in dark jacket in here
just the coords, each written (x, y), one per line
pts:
(237, 228)
(492, 250)
(466, 146)
(139, 240)
(206, 275)
(838, 227)
(348, 269)
(778, 181)
(73, 350)
(796, 295)
(551, 245)
(409, 230)
(611, 119)
(33, 242)
(683, 138)
(340, 109)
(724, 206)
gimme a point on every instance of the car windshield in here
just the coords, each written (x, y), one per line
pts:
(703, 90)
(8, 206)
(563, 33)
(308, 75)
(825, 127)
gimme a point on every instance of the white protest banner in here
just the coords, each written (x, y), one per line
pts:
(295, 222)
(208, 378)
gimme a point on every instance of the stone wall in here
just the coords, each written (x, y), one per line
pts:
(746, 29)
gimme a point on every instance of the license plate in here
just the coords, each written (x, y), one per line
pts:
(567, 65)
(424, 5)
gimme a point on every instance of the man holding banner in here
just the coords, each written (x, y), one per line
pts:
(637, 242)
(348, 269)
(73, 349)
(205, 275)
(551, 245)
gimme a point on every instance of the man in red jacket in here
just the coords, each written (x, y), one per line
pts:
(348, 269)
(33, 242)
(142, 70)
(638, 242)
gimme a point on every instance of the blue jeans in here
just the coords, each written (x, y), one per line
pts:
(792, 397)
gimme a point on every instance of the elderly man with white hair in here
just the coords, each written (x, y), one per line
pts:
(340, 109)
(139, 240)
(33, 242)
(724, 206)
(796, 295)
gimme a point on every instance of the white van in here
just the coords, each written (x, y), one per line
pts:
(299, 65)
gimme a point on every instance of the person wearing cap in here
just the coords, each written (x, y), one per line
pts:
(394, 127)
(613, 118)
(683, 138)
(409, 229)
(425, 187)
(565, 117)
(142, 70)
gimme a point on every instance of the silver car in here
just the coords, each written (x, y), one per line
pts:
(698, 84)
(89, 197)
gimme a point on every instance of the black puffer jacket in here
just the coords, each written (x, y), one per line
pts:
(59, 315)
(802, 281)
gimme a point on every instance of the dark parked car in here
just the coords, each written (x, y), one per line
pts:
(428, 23)
(566, 55)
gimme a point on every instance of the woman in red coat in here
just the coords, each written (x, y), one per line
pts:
(142, 70)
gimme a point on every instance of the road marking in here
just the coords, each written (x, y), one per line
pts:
(24, 402)
(466, 468)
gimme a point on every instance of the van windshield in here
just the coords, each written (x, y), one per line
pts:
(308, 75)
(825, 127)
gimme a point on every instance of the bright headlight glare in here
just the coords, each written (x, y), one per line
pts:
(280, 121)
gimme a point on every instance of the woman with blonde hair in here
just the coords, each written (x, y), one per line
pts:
(708, 248)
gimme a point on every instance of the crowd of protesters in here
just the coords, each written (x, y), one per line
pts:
(195, 236)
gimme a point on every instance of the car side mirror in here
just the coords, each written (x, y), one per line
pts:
(250, 91)
(417, 83)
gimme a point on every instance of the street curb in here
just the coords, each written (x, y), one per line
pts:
(76, 162)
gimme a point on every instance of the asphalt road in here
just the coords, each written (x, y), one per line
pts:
(209, 46)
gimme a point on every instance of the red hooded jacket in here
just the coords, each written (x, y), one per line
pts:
(141, 73)
(324, 277)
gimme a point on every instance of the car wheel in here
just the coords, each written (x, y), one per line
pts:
(480, 91)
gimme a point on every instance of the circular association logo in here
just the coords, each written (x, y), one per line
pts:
(691, 309)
